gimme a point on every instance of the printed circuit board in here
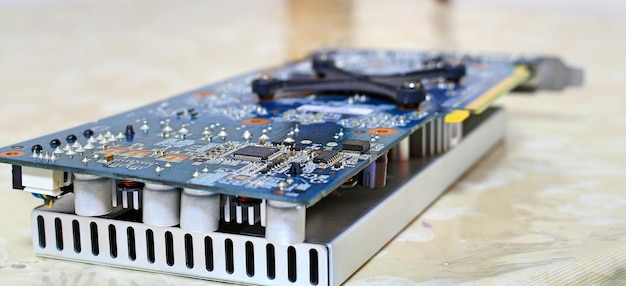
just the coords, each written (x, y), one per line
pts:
(321, 123)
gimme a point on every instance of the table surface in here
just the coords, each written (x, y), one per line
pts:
(548, 205)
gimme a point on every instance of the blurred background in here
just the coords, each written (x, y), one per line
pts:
(140, 51)
(551, 195)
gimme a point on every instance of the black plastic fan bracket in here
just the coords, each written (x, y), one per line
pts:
(405, 89)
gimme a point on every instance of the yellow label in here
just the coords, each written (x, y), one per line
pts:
(457, 116)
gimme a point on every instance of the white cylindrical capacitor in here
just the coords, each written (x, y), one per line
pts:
(161, 205)
(199, 210)
(92, 195)
(285, 222)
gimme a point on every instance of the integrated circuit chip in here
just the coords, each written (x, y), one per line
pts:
(256, 153)
(327, 157)
(361, 146)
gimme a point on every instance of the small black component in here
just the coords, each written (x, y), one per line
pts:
(36, 148)
(295, 168)
(349, 183)
(67, 189)
(130, 133)
(17, 177)
(287, 144)
(54, 143)
(88, 133)
(130, 130)
(356, 145)
(411, 94)
(265, 86)
(193, 114)
(71, 138)
(255, 153)
(338, 165)
(269, 167)
(455, 72)
(322, 62)
(326, 157)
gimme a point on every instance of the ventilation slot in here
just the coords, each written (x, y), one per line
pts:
(230, 263)
(95, 245)
(41, 232)
(76, 236)
(291, 264)
(271, 261)
(189, 251)
(132, 249)
(58, 233)
(249, 258)
(112, 241)
(150, 245)
(169, 248)
(314, 277)
(208, 253)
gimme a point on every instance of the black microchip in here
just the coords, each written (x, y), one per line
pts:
(356, 145)
(326, 156)
(255, 153)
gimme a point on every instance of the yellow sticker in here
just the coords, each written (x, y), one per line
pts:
(457, 116)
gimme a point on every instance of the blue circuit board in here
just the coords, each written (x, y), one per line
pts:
(223, 138)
